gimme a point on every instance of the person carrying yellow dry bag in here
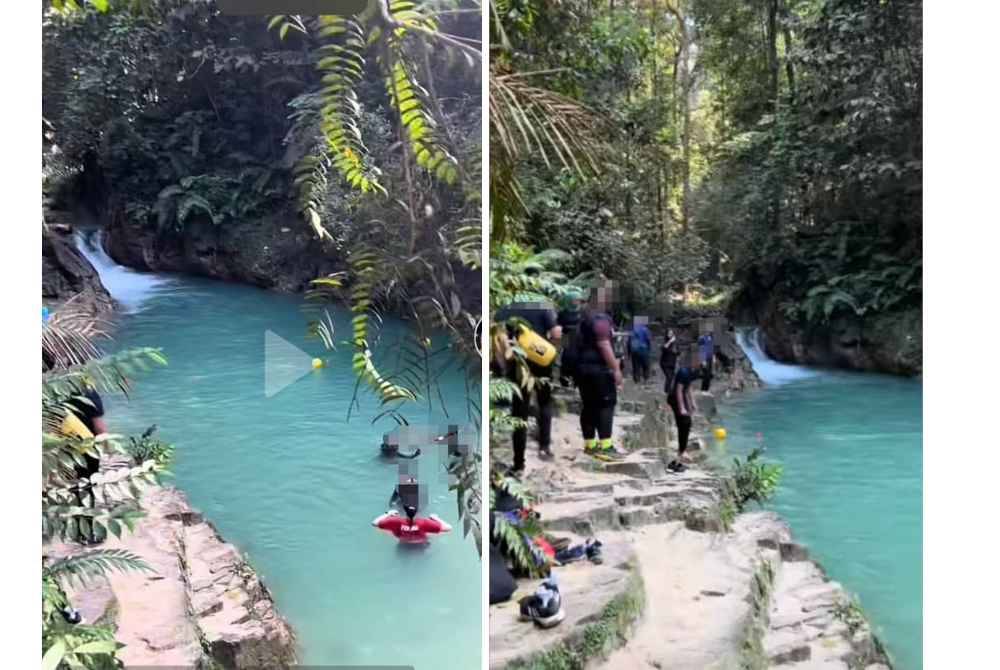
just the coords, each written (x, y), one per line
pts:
(535, 328)
(537, 349)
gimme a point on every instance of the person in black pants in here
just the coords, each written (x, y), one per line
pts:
(599, 376)
(680, 401)
(89, 408)
(542, 319)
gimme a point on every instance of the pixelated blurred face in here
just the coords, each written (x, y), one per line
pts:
(642, 321)
(603, 297)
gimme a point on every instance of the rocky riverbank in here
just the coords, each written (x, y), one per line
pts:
(202, 606)
(681, 587)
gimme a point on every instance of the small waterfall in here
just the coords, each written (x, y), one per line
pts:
(770, 371)
(130, 288)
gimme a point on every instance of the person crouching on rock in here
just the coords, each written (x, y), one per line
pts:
(412, 529)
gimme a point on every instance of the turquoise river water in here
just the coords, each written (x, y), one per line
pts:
(851, 447)
(292, 482)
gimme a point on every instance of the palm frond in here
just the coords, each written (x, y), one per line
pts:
(527, 120)
(69, 335)
(81, 568)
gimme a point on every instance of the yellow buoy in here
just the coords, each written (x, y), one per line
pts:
(317, 363)
(720, 433)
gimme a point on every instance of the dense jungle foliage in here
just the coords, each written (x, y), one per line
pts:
(166, 116)
(769, 144)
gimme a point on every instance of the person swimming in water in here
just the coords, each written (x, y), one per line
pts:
(412, 529)
(390, 449)
(406, 493)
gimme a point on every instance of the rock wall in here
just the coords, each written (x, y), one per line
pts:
(67, 274)
(203, 606)
(275, 253)
(890, 342)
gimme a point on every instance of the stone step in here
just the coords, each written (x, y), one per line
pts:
(601, 603)
(633, 466)
(696, 506)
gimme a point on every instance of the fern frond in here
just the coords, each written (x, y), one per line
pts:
(409, 99)
(469, 245)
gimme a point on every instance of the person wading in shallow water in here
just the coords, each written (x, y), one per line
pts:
(598, 375)
(680, 401)
(412, 529)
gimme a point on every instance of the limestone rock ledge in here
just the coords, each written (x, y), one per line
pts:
(204, 606)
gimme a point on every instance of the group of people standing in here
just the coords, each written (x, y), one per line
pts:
(593, 359)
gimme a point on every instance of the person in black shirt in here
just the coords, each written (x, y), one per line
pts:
(599, 376)
(668, 359)
(542, 319)
(569, 321)
(89, 408)
(680, 401)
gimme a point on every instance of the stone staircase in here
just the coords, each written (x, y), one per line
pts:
(678, 593)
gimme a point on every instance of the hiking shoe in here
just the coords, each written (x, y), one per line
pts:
(544, 607)
(593, 550)
(609, 454)
(515, 472)
(71, 615)
(545, 454)
(676, 466)
(571, 555)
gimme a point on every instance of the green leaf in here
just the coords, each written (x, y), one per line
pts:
(97, 647)
(52, 657)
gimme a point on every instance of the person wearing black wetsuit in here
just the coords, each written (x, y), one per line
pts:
(542, 319)
(390, 448)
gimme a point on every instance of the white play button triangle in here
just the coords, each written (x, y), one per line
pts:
(284, 363)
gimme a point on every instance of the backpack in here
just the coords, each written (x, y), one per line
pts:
(502, 584)
(638, 342)
(569, 363)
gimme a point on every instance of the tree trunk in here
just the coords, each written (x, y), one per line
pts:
(789, 68)
(682, 72)
(772, 51)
